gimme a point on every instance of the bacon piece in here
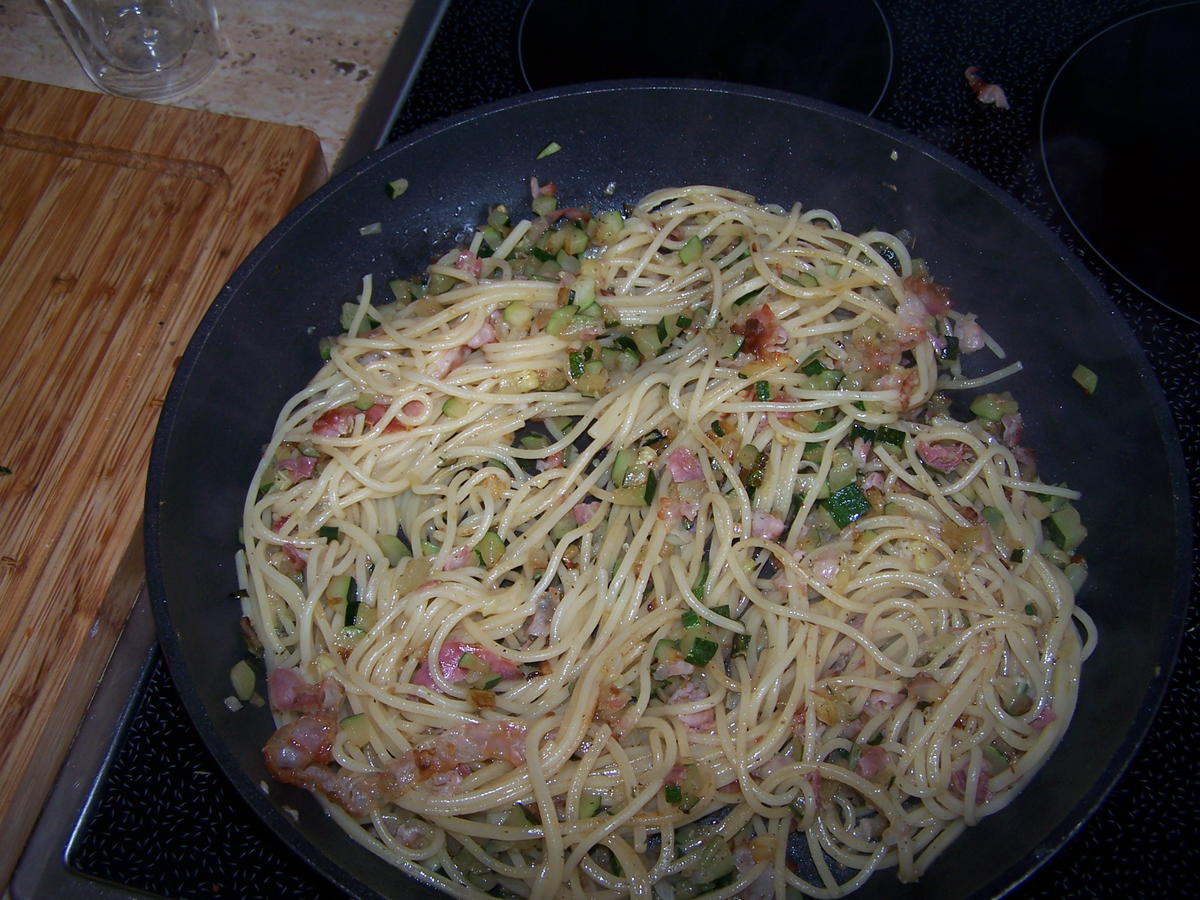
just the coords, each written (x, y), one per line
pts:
(474, 742)
(298, 467)
(672, 509)
(469, 262)
(299, 752)
(903, 383)
(945, 457)
(611, 700)
(446, 361)
(872, 762)
(881, 701)
(250, 636)
(335, 422)
(485, 335)
(765, 525)
(763, 335)
(969, 333)
(583, 512)
(376, 412)
(684, 465)
(574, 213)
(798, 721)
(614, 707)
(958, 785)
(358, 793)
(673, 668)
(985, 92)
(290, 691)
(412, 409)
(460, 558)
(1014, 429)
(298, 745)
(933, 297)
(589, 332)
(675, 776)
(775, 764)
(912, 326)
(814, 778)
(880, 354)
(543, 615)
(825, 564)
(452, 652)
(925, 688)
(553, 461)
(408, 833)
(1045, 716)
(689, 691)
(297, 557)
(861, 451)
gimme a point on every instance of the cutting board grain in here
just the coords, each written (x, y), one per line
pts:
(119, 222)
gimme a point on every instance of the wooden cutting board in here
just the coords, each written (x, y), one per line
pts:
(119, 223)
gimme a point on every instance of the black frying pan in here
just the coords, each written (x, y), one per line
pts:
(258, 344)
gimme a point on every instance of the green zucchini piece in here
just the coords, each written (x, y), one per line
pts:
(701, 651)
(701, 584)
(589, 804)
(393, 548)
(741, 644)
(665, 649)
(455, 408)
(401, 289)
(690, 251)
(846, 505)
(490, 549)
(994, 407)
(518, 314)
(893, 436)
(1086, 379)
(340, 588)
(561, 319)
(357, 729)
(1065, 528)
(544, 204)
(620, 467)
(242, 677)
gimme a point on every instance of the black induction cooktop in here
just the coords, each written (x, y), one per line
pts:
(837, 52)
(1071, 142)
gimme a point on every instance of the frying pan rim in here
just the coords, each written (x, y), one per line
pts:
(171, 641)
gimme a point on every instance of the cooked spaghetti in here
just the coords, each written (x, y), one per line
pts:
(640, 555)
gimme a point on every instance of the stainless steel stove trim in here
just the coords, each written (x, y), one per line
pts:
(393, 82)
(43, 870)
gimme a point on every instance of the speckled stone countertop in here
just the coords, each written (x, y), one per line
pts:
(298, 62)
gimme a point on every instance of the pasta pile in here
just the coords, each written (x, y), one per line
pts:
(640, 555)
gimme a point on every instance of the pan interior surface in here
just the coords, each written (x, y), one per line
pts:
(258, 345)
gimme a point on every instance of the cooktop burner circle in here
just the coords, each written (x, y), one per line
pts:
(837, 52)
(1118, 139)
